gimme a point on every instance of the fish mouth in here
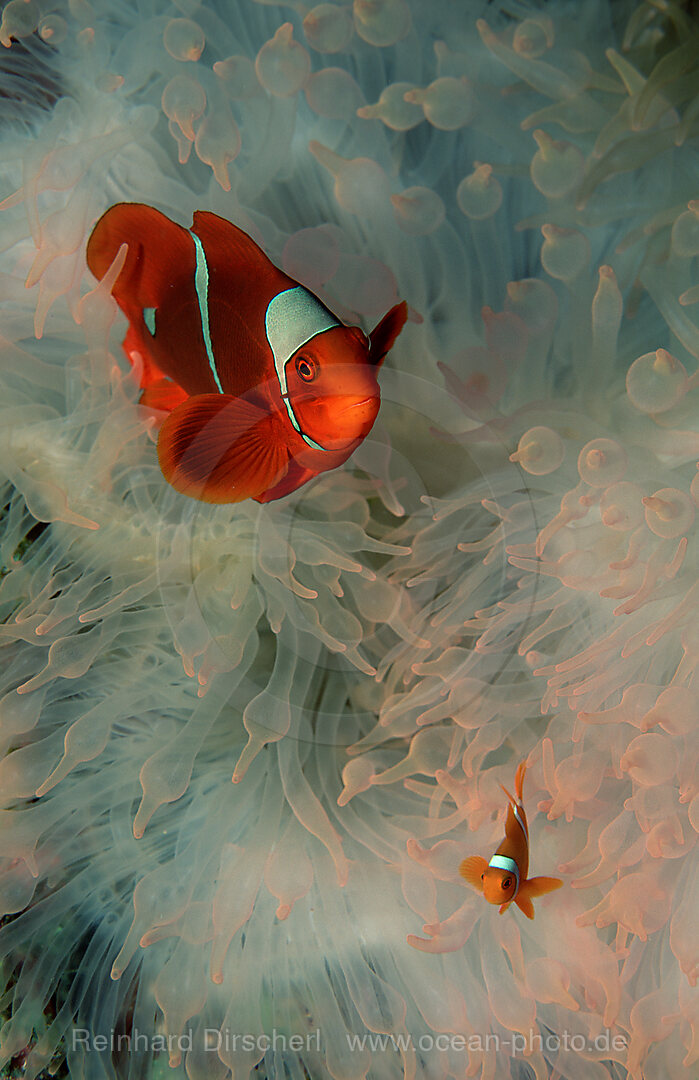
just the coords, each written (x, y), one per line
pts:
(358, 404)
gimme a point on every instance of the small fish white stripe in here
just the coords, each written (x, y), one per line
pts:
(201, 284)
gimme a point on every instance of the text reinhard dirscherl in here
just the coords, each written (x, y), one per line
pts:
(212, 1039)
(215, 1040)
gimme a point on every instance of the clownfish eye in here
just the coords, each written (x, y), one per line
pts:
(506, 882)
(306, 368)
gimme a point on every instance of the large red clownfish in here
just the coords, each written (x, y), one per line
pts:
(264, 386)
(504, 878)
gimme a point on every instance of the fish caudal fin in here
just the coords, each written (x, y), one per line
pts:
(221, 449)
(519, 784)
(383, 335)
(471, 870)
(519, 780)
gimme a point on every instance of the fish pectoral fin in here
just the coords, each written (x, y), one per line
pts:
(503, 907)
(383, 335)
(471, 870)
(524, 903)
(539, 886)
(221, 449)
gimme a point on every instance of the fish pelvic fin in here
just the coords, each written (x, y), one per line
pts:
(295, 476)
(471, 870)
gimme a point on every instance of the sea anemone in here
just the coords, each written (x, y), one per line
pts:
(504, 571)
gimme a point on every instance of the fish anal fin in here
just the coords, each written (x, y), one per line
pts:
(163, 394)
(385, 333)
(471, 870)
(221, 449)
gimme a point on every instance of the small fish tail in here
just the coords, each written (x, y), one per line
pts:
(519, 779)
(519, 782)
(509, 794)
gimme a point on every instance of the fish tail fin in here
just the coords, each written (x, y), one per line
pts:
(519, 782)
(509, 794)
(155, 245)
(471, 870)
(519, 779)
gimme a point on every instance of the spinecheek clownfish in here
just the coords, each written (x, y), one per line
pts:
(504, 878)
(264, 386)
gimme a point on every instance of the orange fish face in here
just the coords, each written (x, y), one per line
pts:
(498, 885)
(333, 389)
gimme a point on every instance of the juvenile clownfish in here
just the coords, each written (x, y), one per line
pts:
(264, 386)
(504, 878)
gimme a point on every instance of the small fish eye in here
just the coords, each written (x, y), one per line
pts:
(482, 876)
(306, 368)
(506, 883)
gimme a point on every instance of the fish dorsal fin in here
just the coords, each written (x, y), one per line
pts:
(221, 449)
(241, 283)
(156, 247)
(385, 333)
(228, 246)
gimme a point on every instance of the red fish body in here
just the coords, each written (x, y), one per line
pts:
(264, 386)
(504, 878)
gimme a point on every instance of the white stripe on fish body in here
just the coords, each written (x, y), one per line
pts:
(149, 319)
(292, 318)
(516, 808)
(201, 285)
(504, 862)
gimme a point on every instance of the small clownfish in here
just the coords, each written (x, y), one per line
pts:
(504, 878)
(264, 386)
